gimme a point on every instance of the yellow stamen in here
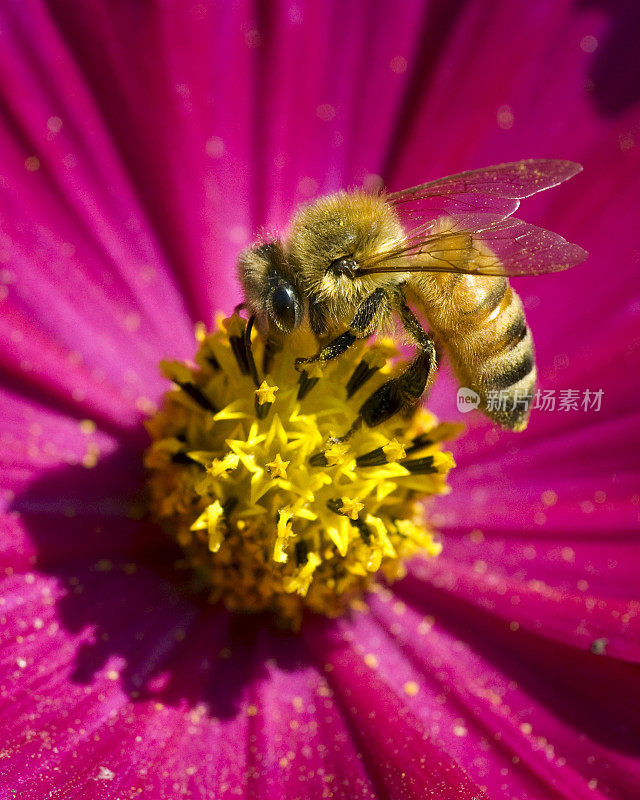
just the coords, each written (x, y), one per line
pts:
(284, 533)
(208, 521)
(394, 451)
(234, 325)
(200, 332)
(311, 531)
(278, 468)
(266, 393)
(335, 453)
(351, 507)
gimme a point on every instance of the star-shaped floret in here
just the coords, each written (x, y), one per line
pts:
(234, 325)
(266, 393)
(278, 468)
(394, 451)
(335, 453)
(351, 507)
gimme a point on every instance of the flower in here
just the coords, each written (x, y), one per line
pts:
(143, 146)
(259, 537)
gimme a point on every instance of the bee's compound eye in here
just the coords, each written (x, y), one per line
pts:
(285, 307)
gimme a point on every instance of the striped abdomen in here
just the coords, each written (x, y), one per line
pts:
(481, 322)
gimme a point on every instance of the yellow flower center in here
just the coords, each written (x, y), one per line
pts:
(275, 507)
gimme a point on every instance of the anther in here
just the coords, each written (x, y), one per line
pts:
(228, 506)
(419, 466)
(419, 443)
(301, 550)
(265, 396)
(335, 504)
(262, 410)
(318, 460)
(197, 395)
(248, 351)
(370, 364)
(240, 352)
(359, 377)
(236, 327)
(182, 458)
(392, 451)
(363, 529)
(356, 425)
(305, 384)
(374, 458)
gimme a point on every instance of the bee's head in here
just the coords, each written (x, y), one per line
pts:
(270, 288)
(332, 238)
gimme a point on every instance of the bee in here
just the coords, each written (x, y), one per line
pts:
(352, 262)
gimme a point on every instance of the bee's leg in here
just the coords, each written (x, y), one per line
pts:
(404, 391)
(358, 329)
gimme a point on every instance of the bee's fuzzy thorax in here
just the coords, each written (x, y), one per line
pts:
(357, 224)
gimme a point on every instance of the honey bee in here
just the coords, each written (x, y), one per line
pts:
(352, 262)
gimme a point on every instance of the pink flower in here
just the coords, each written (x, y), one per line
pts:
(141, 147)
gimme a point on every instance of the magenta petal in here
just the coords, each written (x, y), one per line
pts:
(496, 697)
(299, 738)
(397, 747)
(86, 274)
(172, 114)
(141, 147)
(577, 617)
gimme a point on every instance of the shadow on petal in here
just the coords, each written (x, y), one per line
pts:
(131, 611)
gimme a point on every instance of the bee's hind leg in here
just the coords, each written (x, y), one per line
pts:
(400, 393)
(358, 329)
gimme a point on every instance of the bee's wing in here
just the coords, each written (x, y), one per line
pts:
(509, 247)
(482, 196)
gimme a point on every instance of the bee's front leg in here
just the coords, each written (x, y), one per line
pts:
(358, 329)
